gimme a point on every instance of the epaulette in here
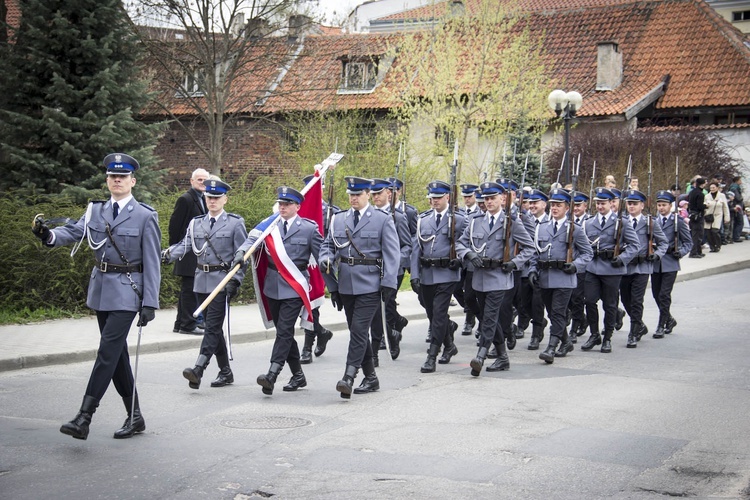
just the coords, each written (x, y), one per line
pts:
(309, 220)
(234, 215)
(98, 201)
(478, 214)
(425, 213)
(199, 216)
(147, 207)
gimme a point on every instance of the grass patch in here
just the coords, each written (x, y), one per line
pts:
(25, 316)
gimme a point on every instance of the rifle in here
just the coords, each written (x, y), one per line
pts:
(593, 179)
(453, 199)
(621, 208)
(571, 223)
(676, 210)
(561, 168)
(393, 192)
(648, 211)
(403, 180)
(508, 220)
(320, 170)
(520, 198)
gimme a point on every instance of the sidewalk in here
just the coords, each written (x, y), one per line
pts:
(74, 340)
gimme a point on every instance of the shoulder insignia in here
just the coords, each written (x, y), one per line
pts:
(94, 202)
(148, 207)
(425, 213)
(235, 216)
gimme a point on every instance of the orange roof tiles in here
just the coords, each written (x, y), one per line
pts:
(13, 17)
(707, 60)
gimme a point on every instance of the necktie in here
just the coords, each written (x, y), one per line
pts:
(604, 221)
(635, 223)
(492, 222)
(115, 210)
(578, 220)
(554, 231)
(663, 220)
(286, 226)
(437, 219)
(213, 221)
(536, 222)
(356, 218)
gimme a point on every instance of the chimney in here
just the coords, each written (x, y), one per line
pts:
(457, 8)
(298, 25)
(608, 66)
(257, 27)
(237, 23)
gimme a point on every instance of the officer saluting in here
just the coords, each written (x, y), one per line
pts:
(483, 244)
(125, 238)
(553, 274)
(433, 272)
(213, 238)
(365, 244)
(302, 240)
(665, 270)
(604, 271)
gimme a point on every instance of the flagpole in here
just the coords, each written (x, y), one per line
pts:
(320, 169)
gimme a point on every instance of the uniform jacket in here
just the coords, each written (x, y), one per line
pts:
(375, 236)
(553, 246)
(529, 223)
(668, 263)
(137, 235)
(603, 239)
(411, 215)
(478, 237)
(660, 244)
(404, 238)
(227, 236)
(433, 242)
(188, 206)
(301, 241)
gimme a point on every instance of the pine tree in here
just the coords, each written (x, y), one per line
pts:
(69, 94)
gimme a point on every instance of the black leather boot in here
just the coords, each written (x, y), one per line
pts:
(429, 364)
(510, 340)
(448, 353)
(370, 383)
(632, 337)
(477, 363)
(79, 426)
(659, 333)
(607, 342)
(492, 352)
(566, 345)
(269, 379)
(502, 362)
(548, 355)
(298, 377)
(428, 339)
(394, 339)
(640, 331)
(225, 377)
(305, 357)
(594, 340)
(469, 324)
(323, 337)
(132, 425)
(669, 325)
(537, 335)
(344, 386)
(195, 374)
(619, 320)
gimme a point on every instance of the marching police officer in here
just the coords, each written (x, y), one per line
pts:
(633, 284)
(530, 303)
(605, 270)
(434, 273)
(554, 270)
(483, 243)
(364, 243)
(579, 325)
(665, 270)
(470, 209)
(301, 239)
(125, 238)
(213, 238)
(319, 332)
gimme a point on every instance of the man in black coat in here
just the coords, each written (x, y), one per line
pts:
(696, 206)
(188, 206)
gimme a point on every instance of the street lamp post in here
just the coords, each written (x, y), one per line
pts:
(565, 104)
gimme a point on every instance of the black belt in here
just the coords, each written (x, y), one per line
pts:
(604, 254)
(551, 264)
(357, 261)
(209, 268)
(638, 259)
(441, 262)
(491, 263)
(272, 265)
(106, 267)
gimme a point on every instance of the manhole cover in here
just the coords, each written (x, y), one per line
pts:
(268, 422)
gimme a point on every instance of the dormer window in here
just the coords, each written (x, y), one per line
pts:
(359, 75)
(192, 84)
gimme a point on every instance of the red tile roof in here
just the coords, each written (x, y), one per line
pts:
(13, 17)
(707, 60)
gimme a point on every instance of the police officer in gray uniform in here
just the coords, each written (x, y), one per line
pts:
(665, 270)
(579, 325)
(125, 238)
(530, 303)
(364, 243)
(434, 273)
(633, 284)
(553, 274)
(381, 191)
(483, 243)
(469, 297)
(213, 238)
(302, 240)
(605, 270)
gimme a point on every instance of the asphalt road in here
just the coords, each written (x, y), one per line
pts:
(669, 418)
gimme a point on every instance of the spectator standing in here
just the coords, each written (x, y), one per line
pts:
(696, 206)
(738, 209)
(716, 212)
